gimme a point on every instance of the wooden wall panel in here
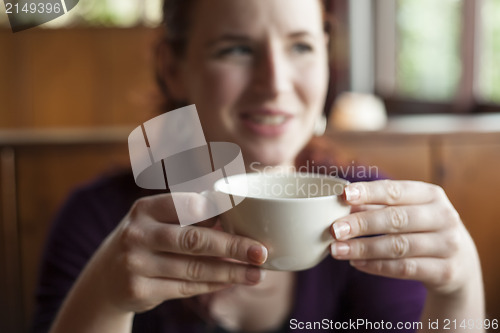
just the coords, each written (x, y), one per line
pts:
(472, 180)
(46, 175)
(397, 157)
(5, 75)
(130, 89)
(11, 314)
(11, 78)
(76, 77)
(62, 77)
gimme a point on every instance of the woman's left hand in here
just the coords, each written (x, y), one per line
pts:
(420, 235)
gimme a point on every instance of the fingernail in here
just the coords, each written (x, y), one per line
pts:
(358, 263)
(352, 193)
(257, 254)
(340, 249)
(254, 275)
(341, 229)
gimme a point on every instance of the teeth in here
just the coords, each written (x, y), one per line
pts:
(268, 119)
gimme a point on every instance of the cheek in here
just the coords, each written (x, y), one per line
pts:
(313, 84)
(219, 86)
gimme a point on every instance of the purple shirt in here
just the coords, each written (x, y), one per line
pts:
(332, 292)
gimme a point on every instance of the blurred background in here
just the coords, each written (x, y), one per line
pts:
(415, 91)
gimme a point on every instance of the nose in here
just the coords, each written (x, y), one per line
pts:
(272, 73)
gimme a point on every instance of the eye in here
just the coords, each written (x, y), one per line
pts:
(236, 50)
(302, 48)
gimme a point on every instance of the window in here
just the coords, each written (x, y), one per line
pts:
(437, 56)
(428, 48)
(488, 85)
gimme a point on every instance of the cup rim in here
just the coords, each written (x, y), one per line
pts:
(217, 185)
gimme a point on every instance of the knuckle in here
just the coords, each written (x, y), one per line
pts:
(232, 246)
(194, 208)
(194, 270)
(131, 236)
(453, 242)
(187, 289)
(453, 216)
(449, 215)
(400, 246)
(378, 266)
(447, 274)
(362, 249)
(408, 268)
(393, 190)
(139, 206)
(135, 290)
(192, 240)
(437, 191)
(398, 218)
(361, 223)
(132, 262)
(232, 274)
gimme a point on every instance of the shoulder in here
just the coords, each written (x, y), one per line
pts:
(108, 193)
(119, 184)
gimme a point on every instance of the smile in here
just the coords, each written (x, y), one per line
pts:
(267, 122)
(273, 120)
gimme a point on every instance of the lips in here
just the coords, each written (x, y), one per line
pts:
(266, 122)
(272, 120)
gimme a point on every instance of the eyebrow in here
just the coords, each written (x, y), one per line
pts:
(230, 37)
(301, 34)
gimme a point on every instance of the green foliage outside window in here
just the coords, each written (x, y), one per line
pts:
(489, 60)
(428, 59)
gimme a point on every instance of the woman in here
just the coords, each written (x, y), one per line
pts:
(257, 71)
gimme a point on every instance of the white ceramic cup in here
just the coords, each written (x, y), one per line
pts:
(291, 214)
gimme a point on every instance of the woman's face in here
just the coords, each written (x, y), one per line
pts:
(257, 72)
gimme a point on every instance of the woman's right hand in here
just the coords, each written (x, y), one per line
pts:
(149, 258)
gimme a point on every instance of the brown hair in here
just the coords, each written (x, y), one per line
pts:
(176, 23)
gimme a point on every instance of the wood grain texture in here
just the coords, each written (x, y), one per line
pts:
(76, 77)
(401, 158)
(47, 174)
(11, 314)
(472, 181)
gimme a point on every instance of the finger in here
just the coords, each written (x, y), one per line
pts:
(198, 269)
(193, 240)
(392, 220)
(432, 271)
(163, 208)
(162, 289)
(362, 208)
(390, 192)
(434, 245)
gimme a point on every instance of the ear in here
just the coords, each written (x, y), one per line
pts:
(170, 69)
